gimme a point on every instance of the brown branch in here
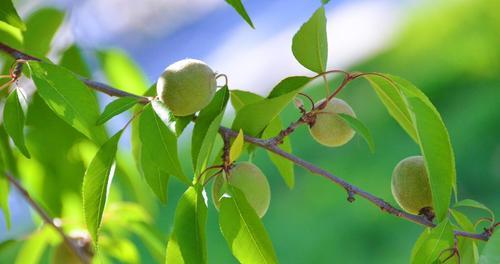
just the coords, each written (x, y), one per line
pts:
(80, 252)
(270, 145)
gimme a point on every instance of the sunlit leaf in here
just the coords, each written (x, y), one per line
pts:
(254, 117)
(284, 166)
(9, 15)
(206, 129)
(122, 72)
(244, 232)
(11, 36)
(475, 204)
(310, 44)
(160, 142)
(394, 101)
(238, 6)
(187, 243)
(433, 243)
(155, 177)
(69, 98)
(13, 118)
(41, 26)
(34, 247)
(288, 85)
(96, 184)
(237, 147)
(115, 108)
(241, 98)
(491, 252)
(359, 127)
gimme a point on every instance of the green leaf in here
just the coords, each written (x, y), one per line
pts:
(394, 101)
(236, 147)
(241, 98)
(160, 143)
(181, 122)
(310, 44)
(238, 6)
(475, 204)
(11, 36)
(9, 15)
(4, 182)
(288, 85)
(254, 117)
(433, 243)
(155, 177)
(116, 107)
(284, 166)
(69, 98)
(13, 118)
(187, 243)
(96, 184)
(359, 127)
(467, 247)
(491, 252)
(122, 72)
(41, 28)
(244, 232)
(34, 247)
(324, 2)
(206, 128)
(73, 59)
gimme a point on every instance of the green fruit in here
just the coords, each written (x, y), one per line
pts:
(329, 129)
(410, 185)
(251, 181)
(186, 86)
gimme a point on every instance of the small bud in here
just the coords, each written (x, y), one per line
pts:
(298, 103)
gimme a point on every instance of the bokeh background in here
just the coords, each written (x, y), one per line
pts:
(449, 49)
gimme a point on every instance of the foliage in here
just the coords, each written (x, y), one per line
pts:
(64, 100)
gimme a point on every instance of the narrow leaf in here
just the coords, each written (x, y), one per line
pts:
(69, 98)
(13, 118)
(72, 59)
(284, 166)
(288, 85)
(122, 72)
(41, 27)
(310, 44)
(181, 122)
(206, 129)
(491, 252)
(254, 117)
(116, 107)
(4, 183)
(155, 177)
(236, 147)
(187, 243)
(96, 184)
(467, 247)
(433, 243)
(8, 14)
(160, 143)
(359, 127)
(238, 6)
(475, 204)
(244, 232)
(33, 249)
(394, 101)
(241, 98)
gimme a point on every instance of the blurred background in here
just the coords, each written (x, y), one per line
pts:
(449, 49)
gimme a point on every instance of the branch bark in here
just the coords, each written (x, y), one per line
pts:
(72, 244)
(270, 145)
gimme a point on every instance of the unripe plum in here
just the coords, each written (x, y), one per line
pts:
(186, 86)
(330, 129)
(410, 185)
(251, 181)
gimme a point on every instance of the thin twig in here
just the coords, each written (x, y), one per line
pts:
(80, 251)
(271, 146)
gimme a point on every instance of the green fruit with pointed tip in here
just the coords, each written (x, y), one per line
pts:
(251, 181)
(410, 185)
(330, 129)
(186, 86)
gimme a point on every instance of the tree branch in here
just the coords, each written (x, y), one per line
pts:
(79, 251)
(270, 145)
